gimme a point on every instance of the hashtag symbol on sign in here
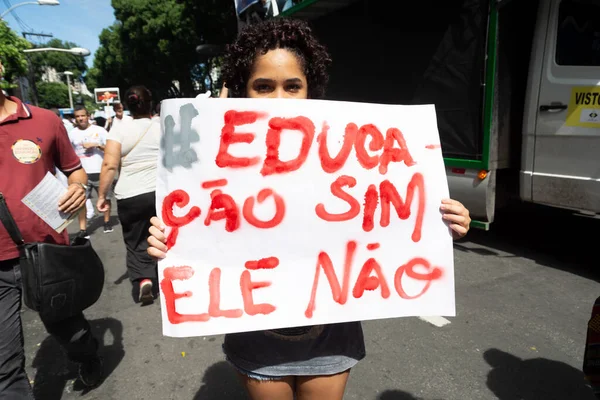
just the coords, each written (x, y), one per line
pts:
(177, 143)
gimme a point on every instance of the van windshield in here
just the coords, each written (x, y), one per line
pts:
(578, 36)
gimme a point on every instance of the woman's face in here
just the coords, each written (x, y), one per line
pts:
(277, 74)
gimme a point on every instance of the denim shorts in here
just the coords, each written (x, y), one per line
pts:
(254, 375)
(303, 351)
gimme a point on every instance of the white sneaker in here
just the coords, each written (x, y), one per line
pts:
(146, 291)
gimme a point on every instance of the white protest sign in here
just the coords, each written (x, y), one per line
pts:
(285, 213)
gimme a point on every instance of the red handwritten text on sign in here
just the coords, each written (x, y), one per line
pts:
(277, 188)
(354, 136)
(370, 278)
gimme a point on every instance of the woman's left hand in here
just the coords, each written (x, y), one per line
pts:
(457, 217)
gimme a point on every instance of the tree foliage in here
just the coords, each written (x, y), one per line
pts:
(154, 42)
(53, 94)
(60, 61)
(110, 63)
(11, 55)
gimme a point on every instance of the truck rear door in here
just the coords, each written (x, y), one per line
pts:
(566, 167)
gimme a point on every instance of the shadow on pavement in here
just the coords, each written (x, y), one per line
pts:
(554, 238)
(54, 370)
(122, 278)
(512, 378)
(98, 222)
(397, 395)
(220, 381)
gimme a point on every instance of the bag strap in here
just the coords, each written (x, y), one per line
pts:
(9, 223)
(139, 140)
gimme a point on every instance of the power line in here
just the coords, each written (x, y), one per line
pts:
(22, 24)
(26, 30)
(39, 34)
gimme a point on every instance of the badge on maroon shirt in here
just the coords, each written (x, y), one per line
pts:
(26, 151)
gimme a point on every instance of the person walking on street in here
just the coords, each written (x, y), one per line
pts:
(68, 126)
(133, 146)
(118, 118)
(89, 141)
(33, 141)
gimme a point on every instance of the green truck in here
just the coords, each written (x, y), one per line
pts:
(516, 85)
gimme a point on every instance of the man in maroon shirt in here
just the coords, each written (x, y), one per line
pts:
(33, 142)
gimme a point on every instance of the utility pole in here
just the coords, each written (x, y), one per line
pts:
(68, 74)
(31, 77)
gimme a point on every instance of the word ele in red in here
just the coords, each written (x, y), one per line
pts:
(354, 137)
(247, 286)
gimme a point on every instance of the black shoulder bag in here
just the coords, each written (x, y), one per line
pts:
(59, 281)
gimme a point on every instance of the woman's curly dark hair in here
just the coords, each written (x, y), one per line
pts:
(278, 33)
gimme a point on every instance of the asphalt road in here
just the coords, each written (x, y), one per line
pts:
(524, 296)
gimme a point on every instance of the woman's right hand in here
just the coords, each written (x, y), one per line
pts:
(157, 240)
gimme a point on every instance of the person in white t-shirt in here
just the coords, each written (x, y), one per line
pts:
(68, 126)
(118, 118)
(133, 145)
(89, 142)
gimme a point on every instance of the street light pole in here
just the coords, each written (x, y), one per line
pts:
(68, 74)
(30, 72)
(31, 77)
(38, 2)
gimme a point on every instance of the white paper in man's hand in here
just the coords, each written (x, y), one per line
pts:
(43, 201)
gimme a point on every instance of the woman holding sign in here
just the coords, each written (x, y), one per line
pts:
(281, 58)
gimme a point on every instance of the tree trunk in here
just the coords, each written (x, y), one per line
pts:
(210, 79)
(32, 85)
(185, 83)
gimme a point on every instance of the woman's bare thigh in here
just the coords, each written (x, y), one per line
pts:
(281, 389)
(330, 387)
